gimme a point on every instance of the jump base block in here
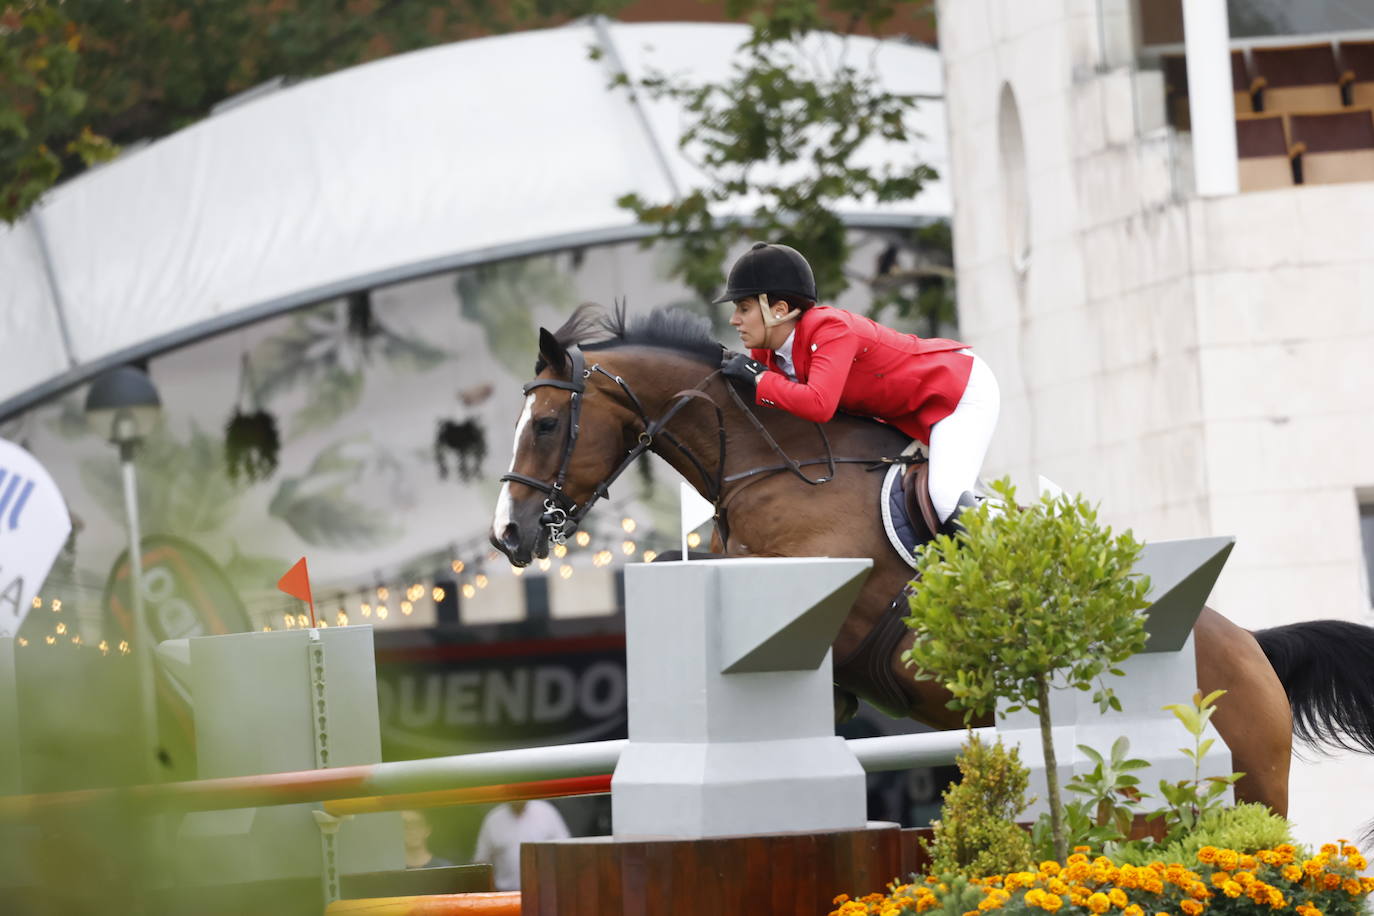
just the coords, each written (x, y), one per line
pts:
(667, 876)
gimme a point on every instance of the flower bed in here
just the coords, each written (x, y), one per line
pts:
(1221, 881)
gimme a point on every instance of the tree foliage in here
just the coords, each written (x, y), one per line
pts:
(782, 141)
(78, 77)
(1023, 601)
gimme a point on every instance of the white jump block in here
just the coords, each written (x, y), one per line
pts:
(730, 699)
(1182, 574)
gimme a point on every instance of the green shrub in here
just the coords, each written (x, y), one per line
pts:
(977, 834)
(1247, 828)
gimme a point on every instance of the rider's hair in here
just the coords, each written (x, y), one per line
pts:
(792, 299)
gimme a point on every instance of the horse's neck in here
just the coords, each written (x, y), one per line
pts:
(696, 427)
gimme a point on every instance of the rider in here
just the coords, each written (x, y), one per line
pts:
(811, 360)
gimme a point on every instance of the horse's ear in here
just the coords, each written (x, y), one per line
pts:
(552, 351)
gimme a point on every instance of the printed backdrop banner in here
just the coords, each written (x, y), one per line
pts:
(34, 524)
(466, 698)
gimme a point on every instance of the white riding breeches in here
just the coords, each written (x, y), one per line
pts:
(959, 442)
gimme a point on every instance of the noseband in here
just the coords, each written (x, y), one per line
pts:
(561, 514)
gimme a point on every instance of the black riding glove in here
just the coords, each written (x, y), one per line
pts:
(739, 366)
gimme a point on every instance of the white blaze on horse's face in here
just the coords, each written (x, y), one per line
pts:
(503, 501)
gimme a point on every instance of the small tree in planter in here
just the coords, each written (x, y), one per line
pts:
(1023, 601)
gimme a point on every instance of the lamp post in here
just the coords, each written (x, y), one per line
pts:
(123, 406)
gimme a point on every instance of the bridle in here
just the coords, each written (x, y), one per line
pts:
(562, 515)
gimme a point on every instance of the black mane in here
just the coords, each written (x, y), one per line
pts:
(592, 327)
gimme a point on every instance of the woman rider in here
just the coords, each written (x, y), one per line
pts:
(812, 360)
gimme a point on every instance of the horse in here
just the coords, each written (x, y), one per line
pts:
(606, 391)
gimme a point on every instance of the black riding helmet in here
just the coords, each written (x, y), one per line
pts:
(769, 268)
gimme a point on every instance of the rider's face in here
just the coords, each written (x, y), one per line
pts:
(748, 320)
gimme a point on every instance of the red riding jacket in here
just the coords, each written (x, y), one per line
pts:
(848, 362)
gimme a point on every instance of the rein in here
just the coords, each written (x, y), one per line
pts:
(562, 515)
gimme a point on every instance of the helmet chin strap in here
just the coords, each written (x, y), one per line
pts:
(769, 319)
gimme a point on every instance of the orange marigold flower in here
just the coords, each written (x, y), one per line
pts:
(841, 898)
(1099, 903)
(1330, 849)
(1348, 850)
(1292, 873)
(1117, 896)
(1077, 871)
(1081, 849)
(1249, 863)
(1033, 896)
(1191, 907)
(1331, 881)
(1049, 867)
(1056, 886)
(1220, 877)
(1231, 889)
(1244, 878)
(1350, 886)
(1357, 861)
(1154, 886)
(1133, 910)
(1051, 902)
(1276, 899)
(1312, 867)
(1207, 854)
(1367, 885)
(1228, 859)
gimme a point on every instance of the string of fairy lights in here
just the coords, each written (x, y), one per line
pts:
(471, 568)
(65, 633)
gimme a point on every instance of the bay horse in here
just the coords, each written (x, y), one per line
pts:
(605, 391)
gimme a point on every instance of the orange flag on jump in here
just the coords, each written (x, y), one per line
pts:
(296, 583)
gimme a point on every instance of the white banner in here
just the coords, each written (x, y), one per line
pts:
(34, 524)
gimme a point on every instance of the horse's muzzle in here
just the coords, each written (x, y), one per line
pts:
(520, 547)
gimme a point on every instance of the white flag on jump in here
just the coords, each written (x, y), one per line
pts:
(695, 511)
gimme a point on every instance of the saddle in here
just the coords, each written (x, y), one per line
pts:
(908, 515)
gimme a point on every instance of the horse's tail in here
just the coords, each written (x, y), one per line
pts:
(1327, 669)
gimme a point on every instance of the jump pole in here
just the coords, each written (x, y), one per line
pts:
(554, 772)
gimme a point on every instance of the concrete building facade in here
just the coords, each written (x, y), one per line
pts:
(1198, 364)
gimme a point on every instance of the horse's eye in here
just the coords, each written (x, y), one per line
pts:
(545, 425)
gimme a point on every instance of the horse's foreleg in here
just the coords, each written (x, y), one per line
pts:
(1253, 717)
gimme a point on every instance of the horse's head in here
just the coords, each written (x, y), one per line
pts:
(565, 446)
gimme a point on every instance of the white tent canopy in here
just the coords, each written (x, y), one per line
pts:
(414, 164)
